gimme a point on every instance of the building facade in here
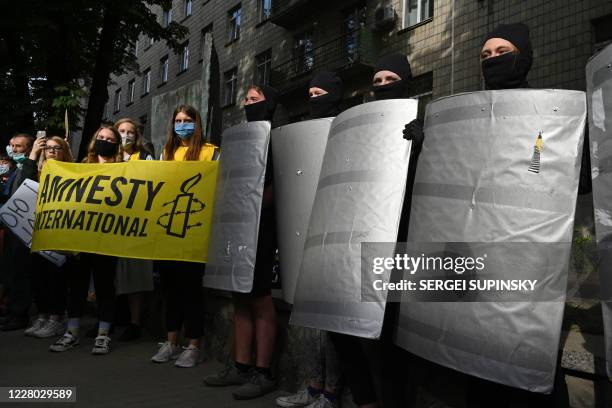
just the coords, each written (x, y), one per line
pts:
(282, 42)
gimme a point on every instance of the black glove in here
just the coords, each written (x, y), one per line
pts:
(414, 131)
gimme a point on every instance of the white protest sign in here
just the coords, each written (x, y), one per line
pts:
(18, 214)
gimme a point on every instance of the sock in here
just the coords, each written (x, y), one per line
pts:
(329, 396)
(313, 391)
(73, 326)
(103, 328)
(265, 371)
(243, 368)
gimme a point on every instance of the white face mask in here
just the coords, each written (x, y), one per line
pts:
(127, 140)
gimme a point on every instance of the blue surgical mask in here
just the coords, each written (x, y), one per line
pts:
(17, 157)
(184, 130)
(4, 168)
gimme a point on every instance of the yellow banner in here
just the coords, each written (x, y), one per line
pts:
(139, 209)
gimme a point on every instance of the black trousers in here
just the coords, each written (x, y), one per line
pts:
(181, 284)
(102, 268)
(50, 285)
(17, 274)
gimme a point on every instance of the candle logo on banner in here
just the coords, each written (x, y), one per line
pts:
(183, 206)
(534, 167)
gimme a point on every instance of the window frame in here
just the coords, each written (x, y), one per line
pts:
(166, 17)
(405, 16)
(230, 76)
(234, 23)
(263, 59)
(261, 9)
(183, 58)
(187, 8)
(117, 101)
(146, 81)
(131, 91)
(164, 69)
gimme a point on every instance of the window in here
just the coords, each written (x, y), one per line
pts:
(187, 6)
(146, 81)
(263, 65)
(117, 101)
(233, 23)
(416, 11)
(131, 90)
(167, 17)
(184, 58)
(230, 81)
(151, 41)
(265, 9)
(303, 52)
(163, 69)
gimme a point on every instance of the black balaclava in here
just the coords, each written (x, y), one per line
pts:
(399, 65)
(328, 105)
(509, 71)
(263, 110)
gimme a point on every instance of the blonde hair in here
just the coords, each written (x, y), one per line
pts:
(66, 153)
(92, 157)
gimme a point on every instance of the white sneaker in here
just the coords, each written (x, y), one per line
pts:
(36, 326)
(101, 345)
(301, 399)
(167, 351)
(66, 342)
(189, 357)
(51, 328)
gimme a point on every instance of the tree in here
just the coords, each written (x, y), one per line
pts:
(122, 23)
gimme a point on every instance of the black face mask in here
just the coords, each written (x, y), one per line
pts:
(323, 106)
(506, 71)
(257, 111)
(104, 148)
(393, 90)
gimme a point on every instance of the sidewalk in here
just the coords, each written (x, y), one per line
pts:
(124, 378)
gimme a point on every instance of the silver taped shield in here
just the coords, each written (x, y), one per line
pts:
(298, 151)
(359, 199)
(483, 177)
(235, 226)
(599, 102)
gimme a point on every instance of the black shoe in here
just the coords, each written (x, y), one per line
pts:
(131, 333)
(15, 323)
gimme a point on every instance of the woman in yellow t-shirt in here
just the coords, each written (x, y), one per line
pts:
(181, 282)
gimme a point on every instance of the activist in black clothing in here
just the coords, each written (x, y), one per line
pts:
(16, 258)
(254, 313)
(104, 147)
(49, 280)
(181, 281)
(506, 58)
(325, 92)
(390, 81)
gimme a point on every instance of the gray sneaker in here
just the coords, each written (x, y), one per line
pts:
(228, 376)
(257, 386)
(322, 402)
(302, 398)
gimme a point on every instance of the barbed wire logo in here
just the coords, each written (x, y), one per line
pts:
(183, 206)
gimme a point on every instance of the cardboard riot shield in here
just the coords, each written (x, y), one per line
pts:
(599, 101)
(497, 168)
(235, 226)
(298, 153)
(359, 199)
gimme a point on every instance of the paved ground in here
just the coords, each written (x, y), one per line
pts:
(124, 378)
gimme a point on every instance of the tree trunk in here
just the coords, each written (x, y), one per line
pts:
(98, 93)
